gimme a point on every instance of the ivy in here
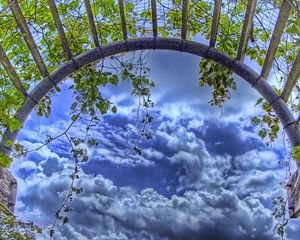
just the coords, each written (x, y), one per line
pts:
(280, 214)
(269, 122)
(5, 160)
(296, 153)
(12, 228)
(9, 103)
(219, 78)
(44, 106)
(88, 97)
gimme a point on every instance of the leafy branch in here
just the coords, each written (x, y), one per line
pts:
(13, 228)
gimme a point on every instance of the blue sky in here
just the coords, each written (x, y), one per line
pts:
(204, 175)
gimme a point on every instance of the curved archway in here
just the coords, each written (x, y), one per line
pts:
(198, 49)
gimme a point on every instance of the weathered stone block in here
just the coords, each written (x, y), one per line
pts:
(293, 190)
(8, 191)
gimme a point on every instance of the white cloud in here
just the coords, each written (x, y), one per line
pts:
(106, 211)
(263, 160)
(219, 196)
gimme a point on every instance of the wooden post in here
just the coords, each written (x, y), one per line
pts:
(11, 72)
(246, 29)
(292, 79)
(123, 19)
(154, 17)
(276, 36)
(91, 22)
(60, 29)
(184, 20)
(18, 15)
(215, 23)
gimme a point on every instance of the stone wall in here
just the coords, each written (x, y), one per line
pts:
(8, 191)
(293, 190)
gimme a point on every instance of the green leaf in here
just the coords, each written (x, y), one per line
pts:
(74, 105)
(14, 124)
(5, 160)
(8, 143)
(264, 36)
(129, 6)
(57, 89)
(266, 107)
(255, 121)
(52, 231)
(262, 133)
(293, 29)
(65, 220)
(259, 101)
(74, 117)
(296, 153)
(114, 109)
(114, 80)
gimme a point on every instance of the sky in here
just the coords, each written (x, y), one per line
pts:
(205, 175)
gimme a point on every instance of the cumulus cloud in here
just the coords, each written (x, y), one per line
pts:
(198, 178)
(216, 195)
(104, 209)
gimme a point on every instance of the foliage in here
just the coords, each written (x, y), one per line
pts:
(12, 228)
(86, 89)
(9, 103)
(269, 122)
(219, 78)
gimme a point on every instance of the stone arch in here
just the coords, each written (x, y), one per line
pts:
(181, 45)
(238, 67)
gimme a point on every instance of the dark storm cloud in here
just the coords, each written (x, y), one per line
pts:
(52, 165)
(163, 178)
(223, 138)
